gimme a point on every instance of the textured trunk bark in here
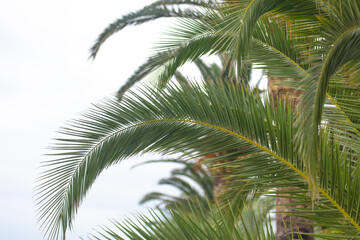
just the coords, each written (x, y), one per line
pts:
(286, 225)
(283, 93)
(218, 174)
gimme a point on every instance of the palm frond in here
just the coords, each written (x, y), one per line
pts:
(195, 120)
(197, 39)
(156, 10)
(212, 73)
(157, 196)
(270, 43)
(144, 70)
(338, 46)
(249, 18)
(276, 51)
(179, 77)
(164, 65)
(216, 224)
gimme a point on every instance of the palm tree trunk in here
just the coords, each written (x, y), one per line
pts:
(287, 225)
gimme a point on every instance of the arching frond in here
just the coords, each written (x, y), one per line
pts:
(197, 120)
(156, 10)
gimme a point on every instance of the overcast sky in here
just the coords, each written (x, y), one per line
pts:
(47, 79)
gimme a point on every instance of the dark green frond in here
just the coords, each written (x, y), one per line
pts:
(156, 10)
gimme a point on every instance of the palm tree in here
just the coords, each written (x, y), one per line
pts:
(315, 149)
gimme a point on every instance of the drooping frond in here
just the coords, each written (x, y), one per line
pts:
(338, 47)
(215, 31)
(196, 120)
(156, 10)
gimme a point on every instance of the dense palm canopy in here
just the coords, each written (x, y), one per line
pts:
(314, 44)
